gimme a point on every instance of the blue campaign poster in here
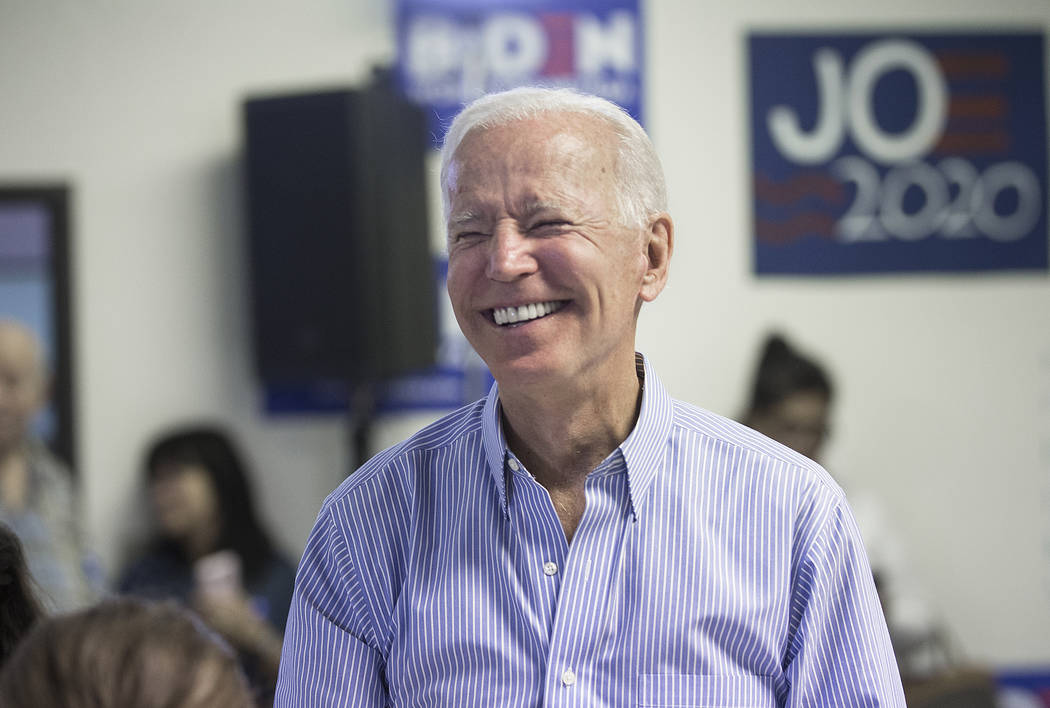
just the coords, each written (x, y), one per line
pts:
(876, 153)
(452, 51)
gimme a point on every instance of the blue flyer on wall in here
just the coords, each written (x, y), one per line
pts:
(453, 51)
(876, 152)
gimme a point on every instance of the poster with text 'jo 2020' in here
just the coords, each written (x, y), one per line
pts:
(875, 153)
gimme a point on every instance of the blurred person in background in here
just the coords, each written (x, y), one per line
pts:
(210, 550)
(19, 607)
(790, 401)
(123, 653)
(36, 488)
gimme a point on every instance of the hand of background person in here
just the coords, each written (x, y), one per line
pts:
(234, 617)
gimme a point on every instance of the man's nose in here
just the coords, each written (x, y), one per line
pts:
(510, 254)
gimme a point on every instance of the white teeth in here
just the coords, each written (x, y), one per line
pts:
(524, 313)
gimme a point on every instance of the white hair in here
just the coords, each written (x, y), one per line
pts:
(641, 191)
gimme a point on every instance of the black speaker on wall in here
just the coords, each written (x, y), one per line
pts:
(342, 278)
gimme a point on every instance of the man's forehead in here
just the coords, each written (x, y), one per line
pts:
(554, 133)
(469, 208)
(555, 154)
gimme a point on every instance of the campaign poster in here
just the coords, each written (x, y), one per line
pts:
(898, 152)
(453, 51)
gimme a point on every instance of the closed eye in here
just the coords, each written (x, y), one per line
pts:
(549, 224)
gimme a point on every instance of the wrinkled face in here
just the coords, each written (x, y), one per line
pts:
(183, 499)
(21, 384)
(544, 280)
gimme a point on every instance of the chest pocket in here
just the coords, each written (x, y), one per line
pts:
(690, 691)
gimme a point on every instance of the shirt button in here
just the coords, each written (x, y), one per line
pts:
(568, 677)
(513, 464)
(550, 568)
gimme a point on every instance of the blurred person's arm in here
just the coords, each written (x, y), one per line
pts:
(70, 574)
(236, 619)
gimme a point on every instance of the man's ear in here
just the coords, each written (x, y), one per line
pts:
(659, 246)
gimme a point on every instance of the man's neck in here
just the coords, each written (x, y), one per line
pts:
(564, 431)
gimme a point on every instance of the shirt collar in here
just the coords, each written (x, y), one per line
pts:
(645, 448)
(643, 451)
(495, 445)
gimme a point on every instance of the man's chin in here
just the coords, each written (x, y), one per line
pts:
(537, 370)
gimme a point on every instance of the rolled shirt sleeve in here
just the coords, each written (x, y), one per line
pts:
(330, 657)
(839, 652)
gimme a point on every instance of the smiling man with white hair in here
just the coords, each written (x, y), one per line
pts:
(578, 537)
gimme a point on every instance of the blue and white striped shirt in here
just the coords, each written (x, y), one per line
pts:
(712, 567)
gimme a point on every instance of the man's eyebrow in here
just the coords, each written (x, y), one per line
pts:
(527, 210)
(535, 207)
(463, 217)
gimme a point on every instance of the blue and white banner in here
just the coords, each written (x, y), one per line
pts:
(453, 51)
(906, 152)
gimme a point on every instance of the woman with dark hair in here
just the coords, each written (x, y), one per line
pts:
(211, 551)
(123, 653)
(790, 398)
(19, 607)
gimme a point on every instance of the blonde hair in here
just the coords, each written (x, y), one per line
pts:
(124, 652)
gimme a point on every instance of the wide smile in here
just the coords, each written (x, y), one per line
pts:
(521, 314)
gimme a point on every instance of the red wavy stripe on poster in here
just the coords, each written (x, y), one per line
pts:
(807, 223)
(797, 188)
(973, 65)
(974, 106)
(972, 143)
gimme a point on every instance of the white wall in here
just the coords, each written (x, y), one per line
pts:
(137, 104)
(945, 381)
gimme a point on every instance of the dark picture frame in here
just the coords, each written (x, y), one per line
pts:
(36, 287)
